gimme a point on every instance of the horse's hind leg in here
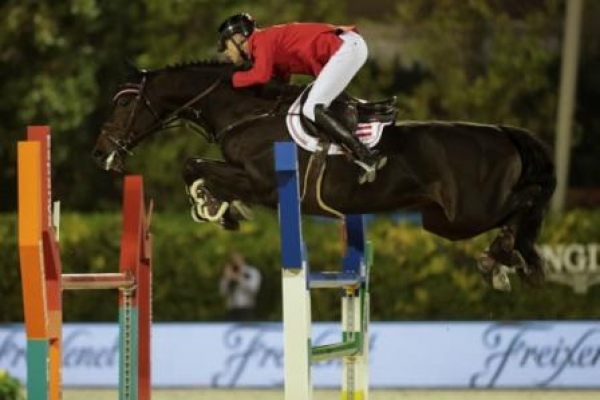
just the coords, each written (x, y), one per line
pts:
(495, 262)
(514, 247)
(528, 228)
(526, 224)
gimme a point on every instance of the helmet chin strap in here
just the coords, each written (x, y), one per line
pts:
(239, 48)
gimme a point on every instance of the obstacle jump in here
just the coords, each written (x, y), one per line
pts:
(43, 280)
(298, 280)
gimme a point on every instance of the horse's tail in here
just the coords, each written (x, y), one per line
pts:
(537, 165)
(538, 177)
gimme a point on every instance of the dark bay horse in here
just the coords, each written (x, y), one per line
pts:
(464, 178)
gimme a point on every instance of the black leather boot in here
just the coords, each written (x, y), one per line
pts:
(367, 159)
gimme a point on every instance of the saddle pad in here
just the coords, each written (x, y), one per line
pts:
(369, 133)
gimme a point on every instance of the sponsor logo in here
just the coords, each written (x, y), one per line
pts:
(253, 347)
(80, 350)
(572, 264)
(533, 352)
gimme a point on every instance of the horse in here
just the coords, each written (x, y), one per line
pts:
(464, 178)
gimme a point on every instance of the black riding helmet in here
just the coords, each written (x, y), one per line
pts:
(239, 23)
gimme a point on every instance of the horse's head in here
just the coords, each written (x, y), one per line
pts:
(152, 101)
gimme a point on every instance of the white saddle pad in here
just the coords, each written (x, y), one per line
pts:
(369, 133)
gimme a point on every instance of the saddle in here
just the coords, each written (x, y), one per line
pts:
(347, 109)
(355, 114)
(351, 111)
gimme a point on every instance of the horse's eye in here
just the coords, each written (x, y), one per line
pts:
(123, 102)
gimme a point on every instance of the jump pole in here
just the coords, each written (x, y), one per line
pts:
(43, 280)
(298, 280)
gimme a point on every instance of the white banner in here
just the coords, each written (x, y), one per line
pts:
(403, 355)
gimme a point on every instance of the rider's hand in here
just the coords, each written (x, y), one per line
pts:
(229, 70)
(227, 74)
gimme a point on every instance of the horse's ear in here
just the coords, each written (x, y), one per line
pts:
(134, 74)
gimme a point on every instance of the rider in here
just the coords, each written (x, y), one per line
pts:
(332, 54)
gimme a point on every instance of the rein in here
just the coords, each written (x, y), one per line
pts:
(252, 118)
(200, 124)
(131, 138)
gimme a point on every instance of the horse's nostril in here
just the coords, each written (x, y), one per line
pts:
(98, 154)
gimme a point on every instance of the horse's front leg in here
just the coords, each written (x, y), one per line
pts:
(216, 190)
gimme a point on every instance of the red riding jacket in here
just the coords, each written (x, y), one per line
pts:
(283, 50)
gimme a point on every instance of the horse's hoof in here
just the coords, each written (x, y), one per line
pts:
(494, 273)
(237, 212)
(500, 280)
(240, 211)
(229, 223)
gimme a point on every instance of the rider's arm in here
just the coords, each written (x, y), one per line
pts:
(262, 68)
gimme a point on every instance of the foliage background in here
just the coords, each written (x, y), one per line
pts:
(494, 61)
(415, 276)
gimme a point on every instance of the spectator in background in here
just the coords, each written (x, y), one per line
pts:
(239, 285)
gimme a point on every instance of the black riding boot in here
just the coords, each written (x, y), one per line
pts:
(367, 159)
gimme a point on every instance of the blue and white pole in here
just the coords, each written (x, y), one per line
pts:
(297, 282)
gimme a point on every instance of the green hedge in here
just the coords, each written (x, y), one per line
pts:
(10, 388)
(416, 276)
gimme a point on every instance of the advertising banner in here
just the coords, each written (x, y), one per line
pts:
(403, 355)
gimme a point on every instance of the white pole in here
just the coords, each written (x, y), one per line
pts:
(568, 82)
(297, 343)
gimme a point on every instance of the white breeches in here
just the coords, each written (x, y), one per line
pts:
(337, 73)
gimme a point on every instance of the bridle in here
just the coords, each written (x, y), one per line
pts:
(130, 138)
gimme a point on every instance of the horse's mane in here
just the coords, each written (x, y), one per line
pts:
(191, 64)
(291, 89)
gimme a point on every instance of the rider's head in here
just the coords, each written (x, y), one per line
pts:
(233, 35)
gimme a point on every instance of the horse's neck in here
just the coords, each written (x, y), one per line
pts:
(247, 102)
